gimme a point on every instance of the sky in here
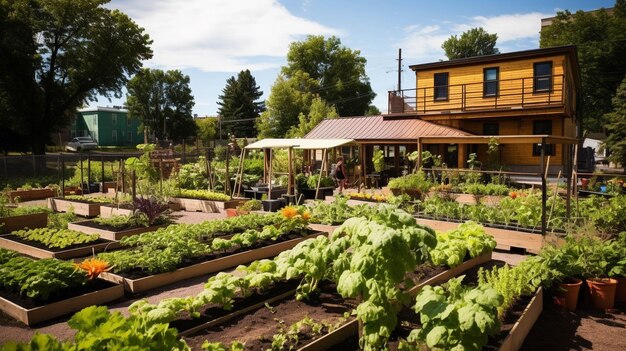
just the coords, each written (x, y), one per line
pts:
(212, 40)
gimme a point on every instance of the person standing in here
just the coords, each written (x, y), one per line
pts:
(341, 173)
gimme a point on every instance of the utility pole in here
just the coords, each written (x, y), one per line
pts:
(399, 70)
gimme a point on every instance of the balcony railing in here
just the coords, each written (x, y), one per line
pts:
(473, 97)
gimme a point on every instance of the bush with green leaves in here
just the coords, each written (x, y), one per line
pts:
(468, 238)
(416, 182)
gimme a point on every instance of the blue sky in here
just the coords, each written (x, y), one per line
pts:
(211, 40)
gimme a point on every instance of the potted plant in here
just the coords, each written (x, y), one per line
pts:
(617, 266)
(593, 256)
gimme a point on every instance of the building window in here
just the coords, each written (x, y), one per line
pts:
(543, 127)
(114, 119)
(542, 76)
(128, 121)
(441, 86)
(490, 81)
(491, 129)
(114, 135)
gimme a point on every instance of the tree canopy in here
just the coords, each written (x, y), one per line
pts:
(600, 38)
(319, 111)
(615, 120)
(338, 71)
(239, 101)
(474, 42)
(162, 100)
(207, 128)
(56, 55)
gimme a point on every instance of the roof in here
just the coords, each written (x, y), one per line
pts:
(310, 144)
(379, 128)
(100, 108)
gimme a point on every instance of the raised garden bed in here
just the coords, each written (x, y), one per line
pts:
(140, 284)
(80, 208)
(30, 313)
(38, 250)
(32, 194)
(516, 336)
(506, 238)
(108, 211)
(210, 206)
(33, 220)
(107, 233)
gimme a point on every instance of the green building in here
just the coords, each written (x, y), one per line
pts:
(108, 126)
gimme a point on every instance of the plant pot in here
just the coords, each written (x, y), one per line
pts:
(231, 212)
(568, 290)
(602, 292)
(620, 292)
(584, 183)
(273, 205)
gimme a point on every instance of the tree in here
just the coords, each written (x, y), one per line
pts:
(319, 111)
(239, 101)
(372, 110)
(474, 42)
(56, 55)
(285, 103)
(163, 102)
(615, 122)
(599, 37)
(207, 128)
(338, 71)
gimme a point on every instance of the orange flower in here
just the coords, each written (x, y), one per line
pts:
(93, 266)
(306, 216)
(289, 212)
(513, 194)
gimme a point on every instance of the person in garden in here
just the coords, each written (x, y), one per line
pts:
(341, 173)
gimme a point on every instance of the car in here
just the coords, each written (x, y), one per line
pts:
(81, 144)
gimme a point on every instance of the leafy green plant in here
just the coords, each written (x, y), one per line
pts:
(56, 238)
(509, 282)
(379, 160)
(90, 199)
(251, 205)
(203, 195)
(311, 182)
(468, 238)
(455, 317)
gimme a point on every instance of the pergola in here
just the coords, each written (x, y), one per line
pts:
(267, 145)
(517, 139)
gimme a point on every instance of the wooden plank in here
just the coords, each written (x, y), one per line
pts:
(208, 206)
(80, 208)
(110, 211)
(32, 194)
(31, 221)
(62, 255)
(216, 265)
(109, 234)
(524, 324)
(60, 308)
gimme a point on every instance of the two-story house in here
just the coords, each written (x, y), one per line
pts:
(108, 126)
(457, 104)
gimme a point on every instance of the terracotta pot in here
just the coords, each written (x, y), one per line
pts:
(584, 182)
(620, 292)
(602, 292)
(231, 212)
(569, 290)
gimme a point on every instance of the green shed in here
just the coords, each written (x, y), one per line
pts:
(108, 126)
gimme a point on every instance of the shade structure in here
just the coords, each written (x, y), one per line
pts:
(297, 143)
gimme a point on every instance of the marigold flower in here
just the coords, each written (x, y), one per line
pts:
(306, 216)
(93, 266)
(289, 212)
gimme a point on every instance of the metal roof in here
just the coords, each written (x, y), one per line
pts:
(310, 144)
(378, 128)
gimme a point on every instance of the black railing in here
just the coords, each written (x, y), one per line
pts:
(510, 93)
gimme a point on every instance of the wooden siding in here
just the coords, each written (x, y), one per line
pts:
(515, 86)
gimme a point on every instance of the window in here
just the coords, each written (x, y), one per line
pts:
(441, 86)
(542, 76)
(491, 129)
(114, 119)
(114, 135)
(490, 81)
(128, 121)
(543, 127)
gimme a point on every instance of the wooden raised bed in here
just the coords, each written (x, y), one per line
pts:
(197, 205)
(196, 270)
(351, 328)
(108, 211)
(60, 308)
(323, 227)
(80, 208)
(110, 234)
(524, 324)
(32, 194)
(32, 221)
(36, 252)
(505, 238)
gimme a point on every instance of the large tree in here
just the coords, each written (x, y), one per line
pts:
(288, 99)
(615, 122)
(338, 71)
(163, 103)
(207, 129)
(239, 105)
(55, 55)
(318, 112)
(474, 42)
(600, 38)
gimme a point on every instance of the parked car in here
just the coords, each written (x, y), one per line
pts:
(80, 144)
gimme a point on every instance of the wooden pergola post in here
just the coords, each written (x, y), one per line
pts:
(269, 182)
(319, 180)
(544, 196)
(290, 176)
(418, 165)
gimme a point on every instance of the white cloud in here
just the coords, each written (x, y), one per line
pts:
(422, 44)
(219, 35)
